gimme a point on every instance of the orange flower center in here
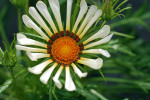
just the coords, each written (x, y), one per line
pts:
(65, 50)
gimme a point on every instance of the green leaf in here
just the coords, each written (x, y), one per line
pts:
(5, 85)
(1, 52)
(100, 71)
(75, 12)
(122, 34)
(126, 99)
(127, 8)
(87, 94)
(3, 12)
(146, 16)
(126, 50)
(12, 43)
(141, 10)
(143, 23)
(98, 95)
(120, 5)
(2, 31)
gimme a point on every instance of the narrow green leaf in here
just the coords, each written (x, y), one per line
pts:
(12, 43)
(145, 16)
(143, 23)
(144, 89)
(1, 52)
(126, 99)
(87, 94)
(98, 94)
(5, 85)
(122, 34)
(114, 4)
(141, 10)
(120, 5)
(126, 50)
(75, 12)
(100, 71)
(3, 12)
(54, 94)
(127, 8)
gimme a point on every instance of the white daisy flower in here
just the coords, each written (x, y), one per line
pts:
(62, 44)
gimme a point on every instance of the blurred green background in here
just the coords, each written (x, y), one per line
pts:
(127, 72)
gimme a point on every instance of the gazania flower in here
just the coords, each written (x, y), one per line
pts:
(62, 46)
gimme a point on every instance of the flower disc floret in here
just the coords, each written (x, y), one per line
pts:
(65, 50)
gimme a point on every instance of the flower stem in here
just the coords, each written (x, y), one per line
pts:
(12, 74)
(53, 91)
(19, 20)
(50, 90)
(103, 23)
(26, 6)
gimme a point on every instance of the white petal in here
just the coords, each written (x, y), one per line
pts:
(89, 15)
(97, 51)
(69, 6)
(29, 23)
(102, 41)
(91, 22)
(20, 47)
(23, 40)
(78, 72)
(44, 11)
(56, 11)
(83, 10)
(100, 34)
(69, 84)
(39, 20)
(82, 3)
(36, 56)
(56, 77)
(46, 75)
(93, 63)
(40, 67)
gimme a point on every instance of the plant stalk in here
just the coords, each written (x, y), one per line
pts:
(12, 74)
(19, 20)
(26, 6)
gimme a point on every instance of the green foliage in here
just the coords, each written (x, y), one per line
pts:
(1, 52)
(111, 8)
(4, 86)
(2, 31)
(126, 71)
(9, 56)
(18, 3)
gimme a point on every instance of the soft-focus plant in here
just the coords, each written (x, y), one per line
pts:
(123, 76)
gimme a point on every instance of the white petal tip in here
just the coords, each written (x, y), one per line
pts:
(32, 70)
(111, 35)
(104, 53)
(99, 62)
(43, 80)
(106, 27)
(57, 82)
(27, 21)
(71, 88)
(84, 74)
(19, 47)
(31, 56)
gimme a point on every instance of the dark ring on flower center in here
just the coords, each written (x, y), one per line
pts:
(63, 47)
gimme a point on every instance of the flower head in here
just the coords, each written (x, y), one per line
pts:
(9, 59)
(62, 45)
